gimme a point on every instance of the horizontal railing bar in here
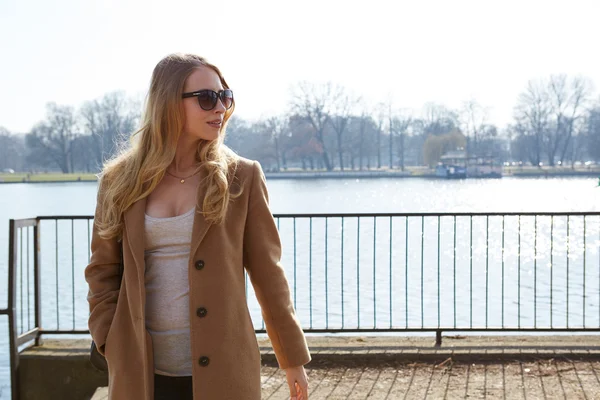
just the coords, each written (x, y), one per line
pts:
(438, 214)
(63, 217)
(65, 332)
(367, 330)
(356, 215)
(24, 223)
(28, 336)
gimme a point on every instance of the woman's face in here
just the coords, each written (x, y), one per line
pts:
(201, 124)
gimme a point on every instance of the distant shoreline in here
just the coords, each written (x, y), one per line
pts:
(526, 172)
(424, 175)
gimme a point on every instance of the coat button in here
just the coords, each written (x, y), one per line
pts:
(204, 361)
(201, 312)
(199, 264)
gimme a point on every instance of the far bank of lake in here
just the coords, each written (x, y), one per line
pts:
(296, 173)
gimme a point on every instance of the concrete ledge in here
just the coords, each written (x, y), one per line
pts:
(60, 369)
(369, 350)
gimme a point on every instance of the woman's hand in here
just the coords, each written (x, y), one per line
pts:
(298, 383)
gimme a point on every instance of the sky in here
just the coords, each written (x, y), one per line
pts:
(407, 52)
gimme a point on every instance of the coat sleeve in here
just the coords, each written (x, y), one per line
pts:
(102, 276)
(262, 254)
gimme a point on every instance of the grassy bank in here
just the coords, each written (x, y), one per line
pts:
(551, 171)
(51, 177)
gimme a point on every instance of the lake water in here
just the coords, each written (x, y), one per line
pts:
(384, 195)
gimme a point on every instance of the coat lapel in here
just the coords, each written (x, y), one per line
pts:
(201, 225)
(134, 227)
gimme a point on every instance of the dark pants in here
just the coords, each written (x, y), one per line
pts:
(173, 387)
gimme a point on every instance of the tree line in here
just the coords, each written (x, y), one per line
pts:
(72, 140)
(556, 122)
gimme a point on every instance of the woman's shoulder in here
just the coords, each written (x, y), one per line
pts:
(244, 168)
(109, 172)
(112, 174)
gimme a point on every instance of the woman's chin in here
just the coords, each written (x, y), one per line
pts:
(208, 136)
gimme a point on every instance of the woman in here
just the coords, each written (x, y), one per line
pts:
(189, 216)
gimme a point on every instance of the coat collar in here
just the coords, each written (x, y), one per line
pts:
(134, 221)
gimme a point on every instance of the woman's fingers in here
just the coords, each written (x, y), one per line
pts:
(302, 390)
(293, 390)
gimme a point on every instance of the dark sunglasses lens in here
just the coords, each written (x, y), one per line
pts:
(227, 98)
(207, 100)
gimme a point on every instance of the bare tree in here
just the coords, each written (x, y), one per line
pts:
(380, 114)
(84, 154)
(593, 132)
(5, 147)
(11, 150)
(301, 143)
(438, 119)
(400, 124)
(250, 139)
(362, 128)
(278, 128)
(523, 147)
(473, 121)
(415, 142)
(237, 133)
(52, 139)
(568, 100)
(553, 113)
(361, 137)
(532, 118)
(343, 104)
(313, 103)
(108, 120)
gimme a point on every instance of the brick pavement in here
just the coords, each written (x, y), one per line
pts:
(510, 367)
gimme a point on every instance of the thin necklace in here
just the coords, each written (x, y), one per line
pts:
(181, 180)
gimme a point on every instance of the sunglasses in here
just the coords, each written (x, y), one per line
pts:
(207, 99)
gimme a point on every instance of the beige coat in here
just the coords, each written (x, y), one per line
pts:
(225, 353)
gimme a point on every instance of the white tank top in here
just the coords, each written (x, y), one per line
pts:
(167, 292)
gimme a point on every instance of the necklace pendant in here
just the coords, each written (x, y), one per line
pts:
(182, 181)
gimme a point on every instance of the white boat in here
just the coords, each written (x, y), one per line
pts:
(456, 164)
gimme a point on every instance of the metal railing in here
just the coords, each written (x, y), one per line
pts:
(366, 273)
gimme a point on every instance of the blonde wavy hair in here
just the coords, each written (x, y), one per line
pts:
(135, 172)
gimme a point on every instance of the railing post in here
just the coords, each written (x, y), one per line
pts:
(37, 281)
(12, 304)
(438, 338)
